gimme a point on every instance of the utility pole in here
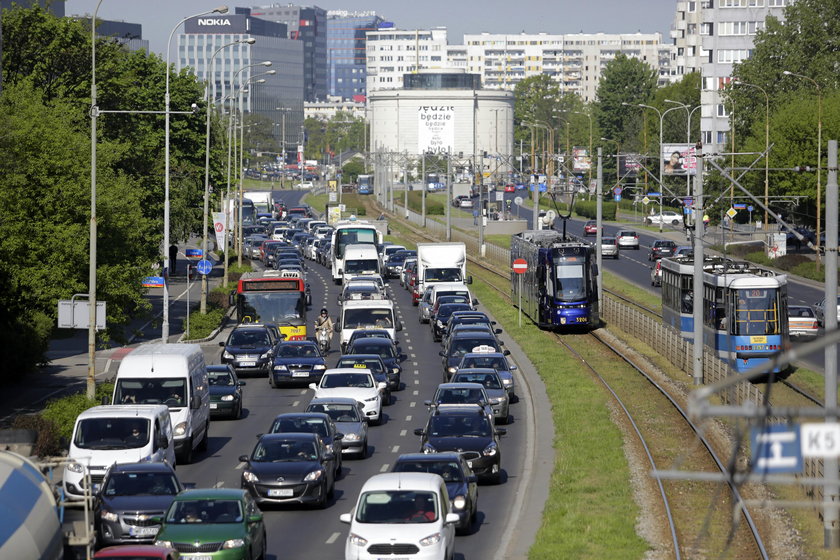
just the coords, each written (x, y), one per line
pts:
(697, 355)
(831, 494)
(423, 186)
(599, 217)
(448, 195)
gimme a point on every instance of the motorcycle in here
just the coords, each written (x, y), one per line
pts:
(324, 340)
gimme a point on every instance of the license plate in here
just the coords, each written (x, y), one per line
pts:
(281, 493)
(196, 556)
(300, 374)
(214, 405)
(247, 364)
(143, 531)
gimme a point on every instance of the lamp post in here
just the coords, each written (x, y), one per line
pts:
(165, 321)
(203, 303)
(283, 111)
(766, 145)
(819, 154)
(588, 116)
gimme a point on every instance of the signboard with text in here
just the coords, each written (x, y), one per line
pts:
(435, 129)
(582, 161)
(679, 159)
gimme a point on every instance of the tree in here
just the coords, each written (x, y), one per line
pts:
(624, 80)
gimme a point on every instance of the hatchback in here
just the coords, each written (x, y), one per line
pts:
(627, 239)
(609, 247)
(590, 228)
(661, 248)
(802, 322)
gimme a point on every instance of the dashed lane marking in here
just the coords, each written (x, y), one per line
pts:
(333, 538)
(415, 392)
(395, 449)
(408, 418)
(384, 468)
(403, 432)
(412, 404)
(219, 484)
(240, 466)
(294, 404)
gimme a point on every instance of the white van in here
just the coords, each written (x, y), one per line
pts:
(366, 314)
(174, 375)
(360, 258)
(450, 289)
(104, 435)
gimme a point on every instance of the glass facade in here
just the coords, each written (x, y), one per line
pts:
(346, 44)
(441, 81)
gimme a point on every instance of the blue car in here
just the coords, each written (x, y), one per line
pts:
(297, 362)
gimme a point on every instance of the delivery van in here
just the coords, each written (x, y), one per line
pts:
(108, 434)
(174, 375)
(367, 314)
(360, 259)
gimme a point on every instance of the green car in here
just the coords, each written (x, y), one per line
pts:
(217, 523)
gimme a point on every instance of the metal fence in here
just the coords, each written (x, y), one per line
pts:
(492, 253)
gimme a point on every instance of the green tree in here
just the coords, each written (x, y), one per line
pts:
(351, 170)
(624, 80)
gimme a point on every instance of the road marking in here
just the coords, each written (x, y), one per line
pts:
(295, 403)
(303, 391)
(395, 449)
(414, 363)
(403, 432)
(417, 382)
(384, 468)
(411, 348)
(219, 484)
(414, 356)
(416, 372)
(415, 392)
(240, 466)
(333, 538)
(408, 418)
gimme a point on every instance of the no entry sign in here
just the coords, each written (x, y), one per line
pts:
(520, 266)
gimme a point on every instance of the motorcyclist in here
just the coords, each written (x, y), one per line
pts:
(323, 322)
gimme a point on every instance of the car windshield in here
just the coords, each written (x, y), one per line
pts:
(447, 309)
(801, 312)
(495, 362)
(449, 395)
(361, 266)
(338, 412)
(164, 390)
(397, 506)
(490, 381)
(222, 378)
(300, 425)
(140, 483)
(450, 425)
(368, 317)
(450, 471)
(249, 337)
(336, 380)
(204, 511)
(443, 275)
(374, 366)
(459, 347)
(283, 451)
(297, 351)
(383, 350)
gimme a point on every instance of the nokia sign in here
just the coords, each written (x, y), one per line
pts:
(213, 21)
(236, 23)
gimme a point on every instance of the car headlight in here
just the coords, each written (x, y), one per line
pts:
(434, 538)
(459, 502)
(319, 367)
(233, 543)
(372, 399)
(266, 356)
(497, 400)
(352, 437)
(357, 540)
(281, 368)
(248, 476)
(507, 382)
(395, 370)
(77, 468)
(227, 355)
(181, 429)
(109, 515)
(166, 544)
(227, 398)
(490, 450)
(439, 324)
(451, 369)
(428, 448)
(314, 475)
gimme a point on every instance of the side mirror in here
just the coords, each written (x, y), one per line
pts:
(498, 331)
(338, 436)
(195, 402)
(452, 518)
(106, 400)
(313, 386)
(474, 301)
(419, 432)
(243, 458)
(441, 353)
(337, 327)
(340, 271)
(513, 368)
(381, 385)
(345, 518)
(256, 518)
(157, 520)
(162, 442)
(469, 280)
(399, 326)
(240, 383)
(231, 299)
(506, 353)
(501, 431)
(222, 344)
(472, 478)
(427, 403)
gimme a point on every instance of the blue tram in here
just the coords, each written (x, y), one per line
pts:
(559, 288)
(745, 317)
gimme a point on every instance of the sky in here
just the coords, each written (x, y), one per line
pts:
(459, 16)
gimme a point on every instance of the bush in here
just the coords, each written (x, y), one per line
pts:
(201, 325)
(47, 442)
(29, 335)
(220, 296)
(588, 209)
(55, 423)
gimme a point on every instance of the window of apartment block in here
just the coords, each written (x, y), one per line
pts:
(706, 135)
(706, 29)
(722, 137)
(692, 7)
(777, 3)
(721, 110)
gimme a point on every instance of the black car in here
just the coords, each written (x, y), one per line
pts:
(376, 366)
(311, 423)
(371, 333)
(468, 318)
(386, 350)
(461, 482)
(249, 349)
(459, 344)
(394, 264)
(468, 431)
(290, 468)
(225, 391)
(442, 316)
(297, 362)
(661, 248)
(131, 494)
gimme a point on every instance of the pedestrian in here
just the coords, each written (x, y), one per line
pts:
(475, 217)
(173, 259)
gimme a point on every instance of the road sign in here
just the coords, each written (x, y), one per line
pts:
(750, 208)
(776, 449)
(193, 252)
(617, 198)
(500, 196)
(75, 314)
(820, 440)
(688, 202)
(153, 282)
(645, 201)
(739, 206)
(654, 194)
(518, 201)
(520, 266)
(731, 212)
(204, 266)
(616, 190)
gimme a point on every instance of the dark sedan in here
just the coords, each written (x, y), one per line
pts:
(394, 264)
(225, 391)
(131, 495)
(290, 468)
(661, 248)
(442, 315)
(249, 349)
(311, 423)
(459, 344)
(385, 350)
(297, 362)
(461, 482)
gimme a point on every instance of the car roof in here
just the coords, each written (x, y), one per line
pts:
(210, 494)
(429, 457)
(335, 400)
(403, 481)
(296, 436)
(460, 386)
(360, 357)
(372, 340)
(286, 415)
(484, 354)
(334, 371)
(141, 467)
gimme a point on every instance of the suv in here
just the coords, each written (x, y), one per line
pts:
(661, 248)
(250, 349)
(627, 239)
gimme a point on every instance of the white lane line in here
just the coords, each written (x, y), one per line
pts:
(412, 404)
(403, 432)
(395, 449)
(415, 364)
(384, 468)
(219, 484)
(408, 418)
(416, 372)
(417, 382)
(240, 466)
(410, 347)
(415, 392)
(294, 404)
(333, 538)
(414, 356)
(303, 391)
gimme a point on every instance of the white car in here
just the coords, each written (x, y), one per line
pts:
(353, 383)
(409, 510)
(819, 309)
(305, 185)
(627, 239)
(666, 217)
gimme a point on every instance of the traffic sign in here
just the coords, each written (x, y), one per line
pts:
(153, 282)
(617, 198)
(645, 201)
(688, 202)
(739, 206)
(518, 201)
(654, 194)
(520, 266)
(750, 208)
(821, 440)
(731, 212)
(204, 266)
(193, 252)
(776, 449)
(616, 190)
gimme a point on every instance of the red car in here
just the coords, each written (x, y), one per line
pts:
(510, 188)
(145, 551)
(590, 228)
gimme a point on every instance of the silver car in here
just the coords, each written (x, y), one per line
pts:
(496, 361)
(349, 420)
(496, 393)
(609, 247)
(820, 308)
(424, 308)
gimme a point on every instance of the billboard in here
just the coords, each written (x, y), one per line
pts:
(225, 24)
(582, 161)
(679, 159)
(435, 129)
(629, 165)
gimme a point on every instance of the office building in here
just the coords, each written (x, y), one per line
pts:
(394, 52)
(346, 57)
(309, 26)
(284, 90)
(710, 37)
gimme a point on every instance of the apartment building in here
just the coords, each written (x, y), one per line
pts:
(394, 52)
(346, 51)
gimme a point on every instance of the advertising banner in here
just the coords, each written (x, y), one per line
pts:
(679, 159)
(219, 228)
(435, 129)
(582, 161)
(629, 165)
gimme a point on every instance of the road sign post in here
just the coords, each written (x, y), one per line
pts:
(519, 267)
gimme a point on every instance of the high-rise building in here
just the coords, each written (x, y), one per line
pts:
(394, 52)
(281, 93)
(346, 56)
(710, 37)
(309, 26)
(128, 34)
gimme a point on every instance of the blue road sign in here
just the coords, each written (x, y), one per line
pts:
(617, 197)
(654, 194)
(153, 282)
(739, 206)
(616, 190)
(193, 252)
(204, 266)
(776, 449)
(750, 208)
(688, 201)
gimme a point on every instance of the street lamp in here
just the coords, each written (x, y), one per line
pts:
(249, 41)
(283, 111)
(588, 116)
(766, 145)
(165, 322)
(819, 154)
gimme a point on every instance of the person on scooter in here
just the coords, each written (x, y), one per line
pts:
(323, 322)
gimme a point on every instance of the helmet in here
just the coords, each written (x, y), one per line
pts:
(324, 311)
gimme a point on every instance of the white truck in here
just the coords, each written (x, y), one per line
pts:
(351, 232)
(440, 262)
(263, 204)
